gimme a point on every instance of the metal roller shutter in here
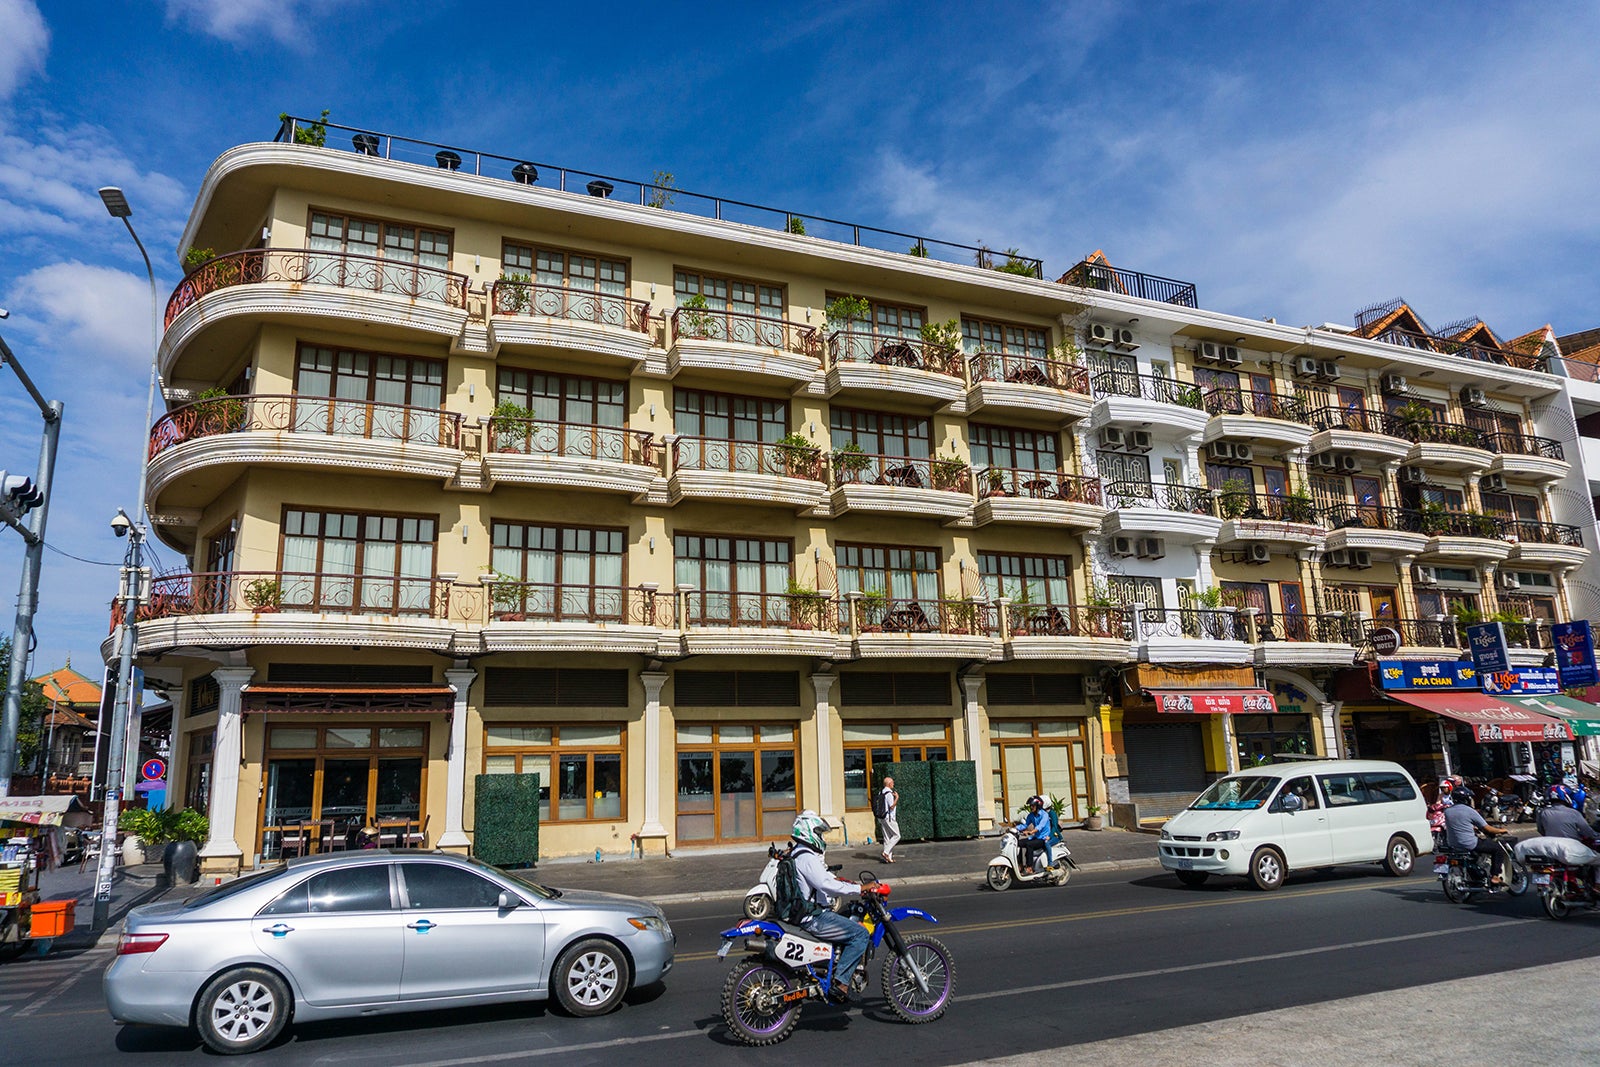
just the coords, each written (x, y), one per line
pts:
(1165, 758)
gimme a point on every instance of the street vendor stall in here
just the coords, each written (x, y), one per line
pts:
(30, 840)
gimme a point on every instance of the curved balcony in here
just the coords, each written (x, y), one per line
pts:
(1445, 445)
(1279, 520)
(1520, 455)
(573, 617)
(1421, 637)
(1292, 640)
(1463, 535)
(1161, 509)
(607, 326)
(569, 455)
(1028, 385)
(1384, 531)
(1067, 631)
(800, 624)
(241, 608)
(1256, 415)
(1168, 408)
(867, 482)
(1358, 430)
(1187, 635)
(229, 296)
(907, 367)
(1044, 498)
(1550, 543)
(884, 626)
(743, 345)
(750, 472)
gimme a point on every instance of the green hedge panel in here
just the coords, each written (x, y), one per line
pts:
(955, 798)
(507, 819)
(913, 783)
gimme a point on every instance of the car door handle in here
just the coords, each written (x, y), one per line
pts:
(278, 929)
(421, 926)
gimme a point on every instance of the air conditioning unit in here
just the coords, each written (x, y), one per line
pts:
(1230, 356)
(1220, 450)
(1208, 352)
(1360, 559)
(1243, 453)
(1122, 546)
(1510, 582)
(1494, 481)
(1257, 553)
(1472, 397)
(1346, 462)
(1096, 334)
(1325, 460)
(1426, 575)
(1139, 440)
(1112, 437)
(1152, 548)
(1394, 385)
(1306, 367)
(1337, 557)
(1413, 476)
(1122, 337)
(1327, 371)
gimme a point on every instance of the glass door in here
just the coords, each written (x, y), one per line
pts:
(289, 803)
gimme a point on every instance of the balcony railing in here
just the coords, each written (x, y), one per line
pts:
(576, 305)
(1333, 628)
(748, 457)
(1358, 419)
(866, 468)
(1070, 620)
(740, 328)
(779, 611)
(1462, 524)
(302, 266)
(1429, 432)
(1167, 495)
(574, 602)
(1544, 533)
(880, 615)
(1441, 632)
(913, 353)
(1372, 517)
(1483, 353)
(1039, 485)
(306, 414)
(1522, 444)
(1532, 634)
(1264, 405)
(271, 592)
(1108, 279)
(1245, 504)
(1147, 386)
(1194, 623)
(1029, 370)
(575, 440)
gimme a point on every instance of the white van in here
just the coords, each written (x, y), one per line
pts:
(1267, 821)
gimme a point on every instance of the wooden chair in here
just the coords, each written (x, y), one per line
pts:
(418, 837)
(293, 840)
(333, 836)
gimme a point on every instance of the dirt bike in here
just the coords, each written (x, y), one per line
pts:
(787, 966)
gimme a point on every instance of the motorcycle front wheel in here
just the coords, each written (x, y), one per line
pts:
(999, 878)
(1060, 873)
(753, 1004)
(899, 979)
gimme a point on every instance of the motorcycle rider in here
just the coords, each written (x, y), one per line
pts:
(1560, 818)
(819, 884)
(1462, 824)
(1033, 835)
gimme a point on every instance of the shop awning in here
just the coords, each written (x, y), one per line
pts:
(1214, 701)
(44, 811)
(1491, 719)
(344, 699)
(1583, 717)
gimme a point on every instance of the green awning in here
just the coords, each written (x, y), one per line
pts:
(1583, 717)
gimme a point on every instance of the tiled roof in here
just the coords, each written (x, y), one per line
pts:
(1578, 342)
(68, 686)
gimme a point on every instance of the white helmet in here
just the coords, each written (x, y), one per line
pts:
(809, 828)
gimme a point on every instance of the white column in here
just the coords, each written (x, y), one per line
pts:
(653, 683)
(974, 725)
(1327, 717)
(225, 752)
(827, 800)
(455, 785)
(1231, 741)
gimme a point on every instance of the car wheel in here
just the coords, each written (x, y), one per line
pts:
(590, 978)
(1193, 879)
(1266, 868)
(758, 906)
(242, 1010)
(1399, 860)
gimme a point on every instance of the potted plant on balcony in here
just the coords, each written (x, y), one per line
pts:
(1411, 416)
(313, 133)
(514, 296)
(696, 321)
(1102, 612)
(849, 459)
(1233, 497)
(994, 483)
(797, 455)
(1435, 520)
(511, 426)
(943, 337)
(949, 472)
(1023, 611)
(1299, 507)
(872, 606)
(961, 616)
(218, 411)
(263, 595)
(842, 311)
(808, 608)
(506, 597)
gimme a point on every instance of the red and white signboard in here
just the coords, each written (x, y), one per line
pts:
(1214, 701)
(1491, 719)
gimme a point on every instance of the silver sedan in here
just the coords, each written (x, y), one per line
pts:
(361, 933)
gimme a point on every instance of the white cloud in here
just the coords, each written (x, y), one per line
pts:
(23, 45)
(239, 21)
(92, 315)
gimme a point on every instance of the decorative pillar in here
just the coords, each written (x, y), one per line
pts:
(1230, 741)
(221, 852)
(974, 730)
(455, 786)
(827, 801)
(1202, 565)
(653, 681)
(1330, 736)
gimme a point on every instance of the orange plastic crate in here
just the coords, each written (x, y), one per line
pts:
(53, 918)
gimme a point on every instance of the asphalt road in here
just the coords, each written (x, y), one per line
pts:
(1112, 955)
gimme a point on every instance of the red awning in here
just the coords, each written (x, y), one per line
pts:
(1490, 719)
(1214, 701)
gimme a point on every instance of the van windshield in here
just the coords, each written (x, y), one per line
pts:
(1236, 794)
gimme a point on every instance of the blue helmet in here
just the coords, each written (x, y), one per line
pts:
(1560, 794)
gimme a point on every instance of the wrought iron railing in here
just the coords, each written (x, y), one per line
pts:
(1441, 632)
(272, 592)
(1070, 620)
(1039, 485)
(508, 297)
(1148, 387)
(1195, 623)
(748, 457)
(867, 468)
(780, 611)
(1372, 517)
(1230, 400)
(1167, 495)
(542, 437)
(1088, 274)
(1430, 432)
(1333, 628)
(1461, 524)
(304, 266)
(1525, 444)
(1246, 504)
(741, 328)
(913, 353)
(572, 602)
(1029, 370)
(306, 414)
(1534, 633)
(1358, 419)
(1545, 533)
(1474, 350)
(917, 616)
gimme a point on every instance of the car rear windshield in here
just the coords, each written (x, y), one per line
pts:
(228, 889)
(1236, 794)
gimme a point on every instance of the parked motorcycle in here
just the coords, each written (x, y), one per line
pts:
(1502, 808)
(786, 967)
(1007, 867)
(761, 898)
(1464, 874)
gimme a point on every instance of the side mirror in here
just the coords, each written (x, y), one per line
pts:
(509, 900)
(1292, 803)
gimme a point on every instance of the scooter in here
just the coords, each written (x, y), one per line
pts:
(1007, 867)
(762, 897)
(1462, 875)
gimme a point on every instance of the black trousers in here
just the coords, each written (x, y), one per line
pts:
(1031, 847)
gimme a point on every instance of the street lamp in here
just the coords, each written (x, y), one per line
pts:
(130, 594)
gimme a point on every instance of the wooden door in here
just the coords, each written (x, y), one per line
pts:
(1385, 605)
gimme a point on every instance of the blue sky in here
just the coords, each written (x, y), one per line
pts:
(1293, 160)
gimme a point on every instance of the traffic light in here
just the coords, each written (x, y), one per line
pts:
(19, 494)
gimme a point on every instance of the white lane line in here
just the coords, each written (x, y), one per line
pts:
(49, 995)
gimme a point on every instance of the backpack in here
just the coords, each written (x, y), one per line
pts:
(880, 805)
(791, 902)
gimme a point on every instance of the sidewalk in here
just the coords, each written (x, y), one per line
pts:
(130, 887)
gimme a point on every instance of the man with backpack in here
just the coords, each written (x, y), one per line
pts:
(804, 898)
(886, 806)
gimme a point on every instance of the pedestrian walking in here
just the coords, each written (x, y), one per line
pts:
(887, 809)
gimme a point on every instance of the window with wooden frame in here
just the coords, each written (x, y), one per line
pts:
(705, 418)
(367, 395)
(1049, 757)
(344, 561)
(869, 745)
(896, 572)
(1015, 449)
(585, 272)
(581, 764)
(1512, 506)
(886, 319)
(734, 580)
(564, 398)
(1028, 580)
(881, 434)
(197, 770)
(399, 245)
(1328, 489)
(985, 335)
(736, 781)
(566, 572)
(738, 295)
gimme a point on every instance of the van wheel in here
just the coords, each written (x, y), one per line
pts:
(1266, 868)
(1193, 879)
(1399, 860)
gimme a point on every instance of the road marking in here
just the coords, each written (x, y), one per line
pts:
(49, 995)
(592, 1046)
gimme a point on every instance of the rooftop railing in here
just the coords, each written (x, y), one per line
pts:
(1475, 350)
(1088, 274)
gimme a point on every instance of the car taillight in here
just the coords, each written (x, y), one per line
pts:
(131, 944)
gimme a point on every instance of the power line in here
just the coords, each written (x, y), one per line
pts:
(80, 559)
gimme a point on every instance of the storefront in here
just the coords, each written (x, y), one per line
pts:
(735, 782)
(1039, 756)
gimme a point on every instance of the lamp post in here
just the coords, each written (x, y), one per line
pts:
(132, 587)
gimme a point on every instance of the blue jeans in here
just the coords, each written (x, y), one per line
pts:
(850, 937)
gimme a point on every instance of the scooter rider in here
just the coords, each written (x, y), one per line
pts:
(821, 887)
(1462, 823)
(1033, 835)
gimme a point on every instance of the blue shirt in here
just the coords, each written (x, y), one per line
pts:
(1039, 822)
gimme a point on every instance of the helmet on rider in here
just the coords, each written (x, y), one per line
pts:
(1560, 794)
(1036, 802)
(809, 828)
(1462, 794)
